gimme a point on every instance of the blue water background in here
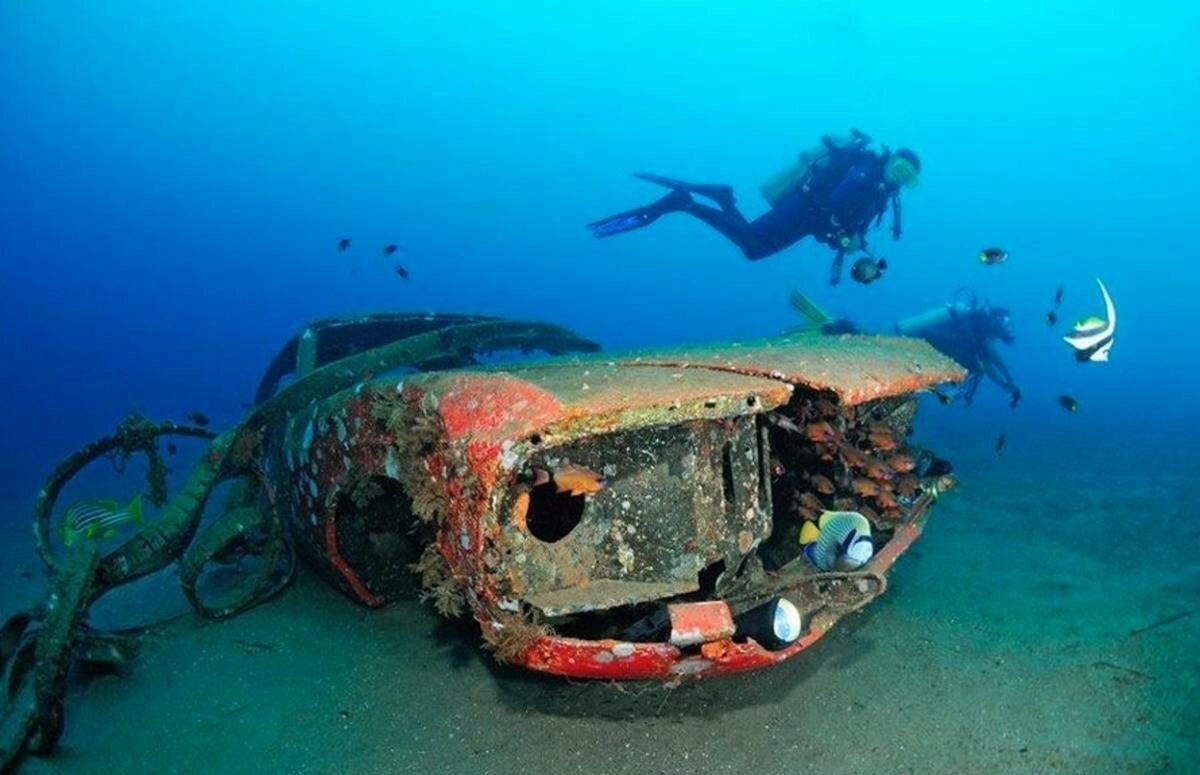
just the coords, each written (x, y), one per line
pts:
(174, 177)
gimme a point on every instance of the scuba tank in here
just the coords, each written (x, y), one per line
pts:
(807, 165)
(789, 178)
(962, 303)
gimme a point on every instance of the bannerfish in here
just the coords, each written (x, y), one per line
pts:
(99, 519)
(1092, 337)
(992, 256)
(868, 270)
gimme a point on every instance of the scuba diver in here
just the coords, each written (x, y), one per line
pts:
(834, 193)
(962, 329)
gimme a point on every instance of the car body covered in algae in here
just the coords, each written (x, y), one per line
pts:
(434, 482)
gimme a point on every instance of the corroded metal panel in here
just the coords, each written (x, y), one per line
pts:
(677, 499)
(856, 368)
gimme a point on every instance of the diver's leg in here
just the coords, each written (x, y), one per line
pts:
(638, 217)
(782, 226)
(735, 228)
(719, 193)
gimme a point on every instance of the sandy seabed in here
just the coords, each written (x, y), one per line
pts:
(1023, 633)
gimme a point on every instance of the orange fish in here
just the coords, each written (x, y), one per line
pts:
(825, 408)
(879, 471)
(820, 431)
(902, 462)
(886, 500)
(844, 504)
(882, 439)
(577, 480)
(811, 502)
(907, 486)
(821, 484)
(865, 487)
(869, 513)
(520, 509)
(852, 456)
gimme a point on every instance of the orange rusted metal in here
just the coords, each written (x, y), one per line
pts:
(696, 623)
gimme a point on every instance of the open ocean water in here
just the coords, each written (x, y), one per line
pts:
(174, 180)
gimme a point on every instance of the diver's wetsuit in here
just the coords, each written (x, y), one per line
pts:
(835, 206)
(967, 335)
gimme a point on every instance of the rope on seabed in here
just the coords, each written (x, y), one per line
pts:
(135, 434)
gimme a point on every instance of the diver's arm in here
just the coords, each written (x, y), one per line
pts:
(835, 271)
(966, 390)
(996, 370)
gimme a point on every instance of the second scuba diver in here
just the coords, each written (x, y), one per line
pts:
(962, 329)
(835, 193)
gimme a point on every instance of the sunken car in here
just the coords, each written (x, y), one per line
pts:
(685, 559)
(651, 515)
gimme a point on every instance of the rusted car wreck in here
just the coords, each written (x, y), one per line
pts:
(401, 454)
(713, 457)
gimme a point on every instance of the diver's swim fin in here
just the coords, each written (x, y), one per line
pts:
(640, 216)
(812, 314)
(718, 192)
(621, 223)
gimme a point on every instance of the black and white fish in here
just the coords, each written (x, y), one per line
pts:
(1092, 337)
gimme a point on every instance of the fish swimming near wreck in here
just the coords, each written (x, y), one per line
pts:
(840, 540)
(571, 479)
(993, 256)
(1093, 337)
(99, 519)
(868, 270)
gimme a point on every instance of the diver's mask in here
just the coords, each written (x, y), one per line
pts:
(902, 169)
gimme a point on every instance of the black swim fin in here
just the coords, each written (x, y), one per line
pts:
(640, 216)
(717, 192)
